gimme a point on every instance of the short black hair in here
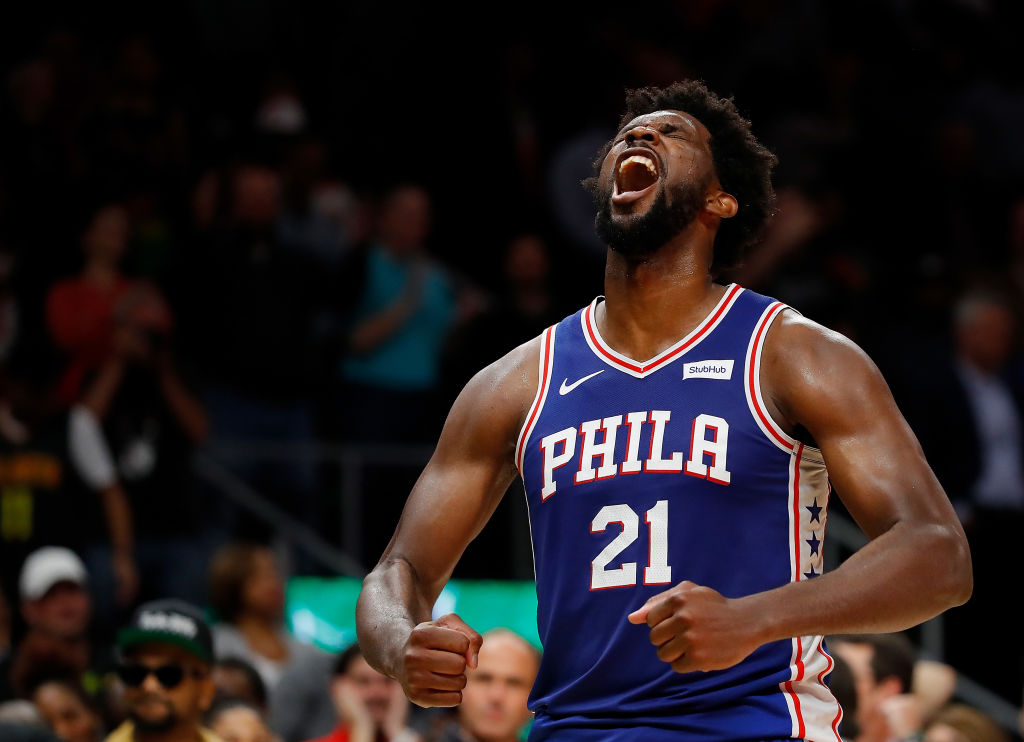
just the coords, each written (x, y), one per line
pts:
(257, 688)
(743, 164)
(222, 703)
(343, 661)
(843, 687)
(893, 656)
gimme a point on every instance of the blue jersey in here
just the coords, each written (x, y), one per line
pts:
(640, 475)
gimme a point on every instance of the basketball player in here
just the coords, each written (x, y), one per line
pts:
(673, 438)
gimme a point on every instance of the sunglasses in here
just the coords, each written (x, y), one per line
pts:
(169, 676)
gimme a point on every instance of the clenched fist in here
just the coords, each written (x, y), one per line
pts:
(435, 659)
(696, 628)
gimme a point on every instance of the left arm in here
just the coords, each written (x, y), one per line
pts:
(92, 460)
(916, 564)
(186, 408)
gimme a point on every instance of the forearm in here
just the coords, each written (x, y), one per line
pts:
(391, 604)
(118, 516)
(900, 579)
(100, 393)
(187, 410)
(376, 329)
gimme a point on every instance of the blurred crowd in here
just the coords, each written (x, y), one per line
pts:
(230, 672)
(205, 243)
(231, 669)
(177, 672)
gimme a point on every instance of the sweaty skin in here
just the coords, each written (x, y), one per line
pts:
(916, 564)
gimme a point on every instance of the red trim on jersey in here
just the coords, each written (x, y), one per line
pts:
(821, 679)
(658, 361)
(796, 706)
(797, 679)
(752, 383)
(797, 574)
(542, 391)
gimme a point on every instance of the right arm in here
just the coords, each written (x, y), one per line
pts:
(457, 492)
(385, 322)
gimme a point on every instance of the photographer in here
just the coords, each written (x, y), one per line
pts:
(152, 421)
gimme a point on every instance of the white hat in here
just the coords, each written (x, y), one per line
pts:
(47, 566)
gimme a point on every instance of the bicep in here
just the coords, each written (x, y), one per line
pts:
(874, 460)
(462, 484)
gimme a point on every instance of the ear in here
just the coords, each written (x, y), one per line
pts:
(721, 204)
(207, 692)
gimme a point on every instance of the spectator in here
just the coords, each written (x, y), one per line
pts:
(253, 302)
(390, 374)
(17, 731)
(975, 436)
(86, 313)
(882, 666)
(152, 422)
(370, 707)
(843, 686)
(493, 707)
(57, 609)
(961, 723)
(933, 685)
(166, 654)
(68, 710)
(236, 678)
(58, 483)
(21, 713)
(524, 306)
(235, 720)
(246, 592)
(302, 226)
(399, 327)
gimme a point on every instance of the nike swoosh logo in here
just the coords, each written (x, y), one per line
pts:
(566, 388)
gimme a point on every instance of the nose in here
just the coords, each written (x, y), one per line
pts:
(151, 685)
(643, 133)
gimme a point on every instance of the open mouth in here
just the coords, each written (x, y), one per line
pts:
(635, 174)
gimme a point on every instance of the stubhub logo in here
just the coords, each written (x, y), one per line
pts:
(708, 369)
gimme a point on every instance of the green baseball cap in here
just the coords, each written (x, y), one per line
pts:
(168, 621)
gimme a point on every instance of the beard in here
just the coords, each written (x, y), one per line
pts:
(163, 724)
(641, 236)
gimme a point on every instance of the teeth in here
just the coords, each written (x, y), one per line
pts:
(639, 160)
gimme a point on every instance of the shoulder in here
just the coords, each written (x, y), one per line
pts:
(488, 414)
(123, 733)
(509, 383)
(809, 372)
(796, 341)
(64, 289)
(208, 735)
(227, 636)
(304, 653)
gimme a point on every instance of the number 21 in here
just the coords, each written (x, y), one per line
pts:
(657, 571)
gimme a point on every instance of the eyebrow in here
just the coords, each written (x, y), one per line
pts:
(667, 127)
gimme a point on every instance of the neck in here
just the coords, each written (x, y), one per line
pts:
(65, 640)
(262, 635)
(651, 304)
(101, 274)
(468, 736)
(981, 365)
(183, 732)
(255, 624)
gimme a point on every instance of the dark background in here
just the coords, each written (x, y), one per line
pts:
(897, 123)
